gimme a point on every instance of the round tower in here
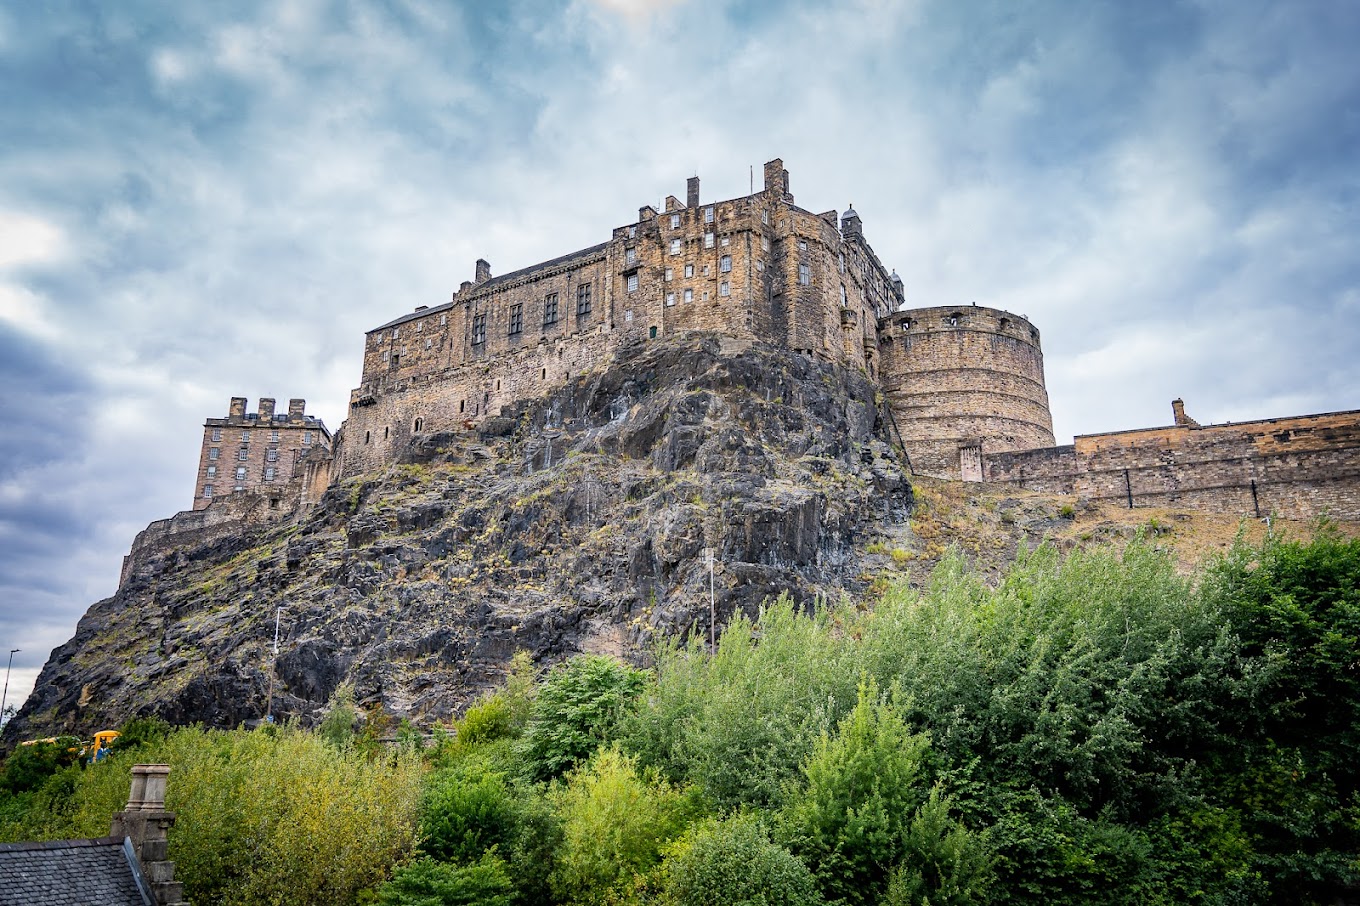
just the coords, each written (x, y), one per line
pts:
(962, 382)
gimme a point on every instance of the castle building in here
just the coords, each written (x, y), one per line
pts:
(257, 452)
(757, 266)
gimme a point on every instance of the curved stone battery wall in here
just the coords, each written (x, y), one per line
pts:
(961, 382)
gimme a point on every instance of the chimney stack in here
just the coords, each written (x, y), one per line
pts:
(692, 192)
(143, 824)
(1178, 412)
(777, 179)
(237, 409)
(296, 408)
(483, 270)
(266, 409)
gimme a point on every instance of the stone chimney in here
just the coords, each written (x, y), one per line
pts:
(483, 270)
(645, 213)
(296, 408)
(266, 409)
(237, 409)
(1178, 412)
(144, 823)
(777, 179)
(692, 192)
(850, 223)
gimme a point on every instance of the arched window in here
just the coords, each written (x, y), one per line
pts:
(420, 423)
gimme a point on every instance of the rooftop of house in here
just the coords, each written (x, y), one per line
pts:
(103, 870)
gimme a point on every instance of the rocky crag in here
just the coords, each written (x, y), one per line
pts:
(576, 522)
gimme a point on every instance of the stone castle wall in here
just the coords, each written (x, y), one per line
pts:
(1297, 467)
(256, 452)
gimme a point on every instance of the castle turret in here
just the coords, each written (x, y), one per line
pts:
(963, 381)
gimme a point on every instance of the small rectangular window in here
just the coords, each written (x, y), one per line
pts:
(840, 258)
(765, 217)
(629, 255)
(516, 325)
(549, 309)
(273, 437)
(269, 474)
(245, 437)
(271, 456)
(689, 295)
(242, 454)
(428, 342)
(676, 246)
(708, 240)
(670, 275)
(216, 434)
(725, 241)
(689, 270)
(724, 288)
(632, 283)
(708, 214)
(706, 270)
(478, 329)
(760, 265)
(212, 452)
(670, 298)
(207, 490)
(725, 264)
(765, 243)
(632, 232)
(582, 300)
(443, 320)
(420, 325)
(805, 274)
(802, 245)
(241, 473)
(394, 332)
(306, 437)
(212, 470)
(675, 221)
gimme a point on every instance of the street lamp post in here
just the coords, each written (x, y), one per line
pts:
(4, 695)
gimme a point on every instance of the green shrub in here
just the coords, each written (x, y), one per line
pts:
(464, 813)
(578, 707)
(427, 882)
(943, 863)
(733, 862)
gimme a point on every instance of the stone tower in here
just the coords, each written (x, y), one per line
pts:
(963, 381)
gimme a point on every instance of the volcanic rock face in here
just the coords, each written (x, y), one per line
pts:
(575, 523)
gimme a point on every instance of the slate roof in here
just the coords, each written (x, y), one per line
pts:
(99, 872)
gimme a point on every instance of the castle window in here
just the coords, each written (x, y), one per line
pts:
(212, 452)
(549, 309)
(653, 332)
(802, 245)
(906, 323)
(420, 325)
(670, 275)
(461, 404)
(269, 474)
(689, 270)
(725, 265)
(841, 259)
(306, 437)
(478, 329)
(765, 243)
(708, 214)
(385, 430)
(724, 288)
(629, 255)
(708, 240)
(420, 423)
(689, 295)
(242, 453)
(632, 283)
(765, 216)
(273, 437)
(670, 298)
(241, 473)
(368, 436)
(675, 221)
(394, 332)
(207, 490)
(676, 246)
(271, 456)
(725, 241)
(805, 274)
(760, 265)
(396, 359)
(516, 326)
(212, 470)
(706, 270)
(632, 232)
(844, 301)
(443, 320)
(583, 300)
(216, 434)
(245, 437)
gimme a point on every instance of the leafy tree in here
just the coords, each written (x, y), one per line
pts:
(849, 820)
(944, 864)
(465, 812)
(337, 727)
(615, 825)
(734, 862)
(577, 708)
(29, 766)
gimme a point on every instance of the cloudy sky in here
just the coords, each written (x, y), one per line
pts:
(206, 200)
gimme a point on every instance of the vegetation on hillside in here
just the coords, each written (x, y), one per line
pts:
(1095, 729)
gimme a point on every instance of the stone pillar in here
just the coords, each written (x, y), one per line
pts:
(145, 822)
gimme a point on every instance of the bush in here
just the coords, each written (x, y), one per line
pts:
(614, 827)
(578, 708)
(430, 883)
(466, 812)
(943, 864)
(733, 862)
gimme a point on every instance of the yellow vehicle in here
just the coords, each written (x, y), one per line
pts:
(102, 740)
